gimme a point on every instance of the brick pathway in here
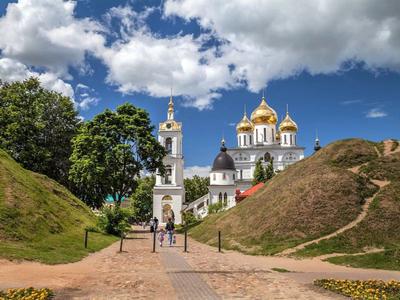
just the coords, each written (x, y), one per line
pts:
(187, 283)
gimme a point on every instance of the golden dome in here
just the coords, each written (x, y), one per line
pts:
(288, 124)
(170, 105)
(264, 114)
(244, 126)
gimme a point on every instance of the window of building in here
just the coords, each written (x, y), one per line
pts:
(250, 138)
(241, 174)
(267, 156)
(291, 140)
(265, 134)
(220, 197)
(244, 140)
(240, 140)
(256, 135)
(225, 199)
(168, 145)
(223, 176)
(273, 135)
(295, 142)
(284, 139)
(168, 175)
(233, 176)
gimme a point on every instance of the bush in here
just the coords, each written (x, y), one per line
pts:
(189, 218)
(215, 208)
(114, 220)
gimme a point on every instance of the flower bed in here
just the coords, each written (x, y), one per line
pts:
(27, 294)
(362, 289)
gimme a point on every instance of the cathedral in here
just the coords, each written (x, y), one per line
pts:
(258, 138)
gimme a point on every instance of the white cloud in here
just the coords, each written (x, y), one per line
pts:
(202, 171)
(376, 113)
(85, 96)
(275, 39)
(12, 70)
(45, 33)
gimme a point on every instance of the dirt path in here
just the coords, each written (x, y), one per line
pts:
(359, 218)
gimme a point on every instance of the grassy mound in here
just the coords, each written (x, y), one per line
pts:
(40, 219)
(310, 199)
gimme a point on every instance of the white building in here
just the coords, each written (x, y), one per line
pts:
(169, 191)
(258, 138)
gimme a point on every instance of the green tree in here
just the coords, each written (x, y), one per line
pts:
(141, 200)
(36, 127)
(110, 152)
(259, 173)
(269, 170)
(196, 187)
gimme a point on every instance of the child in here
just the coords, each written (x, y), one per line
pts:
(161, 236)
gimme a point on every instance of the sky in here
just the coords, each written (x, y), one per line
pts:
(334, 63)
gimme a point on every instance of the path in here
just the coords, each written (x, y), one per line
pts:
(187, 283)
(352, 224)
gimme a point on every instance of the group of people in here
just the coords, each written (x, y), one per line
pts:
(169, 231)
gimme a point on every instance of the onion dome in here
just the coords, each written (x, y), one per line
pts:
(170, 105)
(288, 124)
(264, 114)
(244, 126)
(223, 161)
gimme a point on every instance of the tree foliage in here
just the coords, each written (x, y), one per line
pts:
(142, 199)
(36, 127)
(196, 187)
(259, 173)
(114, 220)
(269, 170)
(110, 152)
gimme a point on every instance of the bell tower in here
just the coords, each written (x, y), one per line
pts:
(169, 191)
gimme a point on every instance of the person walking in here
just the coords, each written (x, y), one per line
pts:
(161, 236)
(155, 223)
(151, 225)
(170, 227)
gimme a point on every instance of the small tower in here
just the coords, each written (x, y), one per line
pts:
(169, 191)
(222, 179)
(288, 129)
(317, 145)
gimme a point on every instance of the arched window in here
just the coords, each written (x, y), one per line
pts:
(244, 140)
(291, 140)
(267, 157)
(225, 199)
(265, 134)
(220, 197)
(251, 142)
(167, 197)
(168, 175)
(284, 139)
(168, 145)
(167, 213)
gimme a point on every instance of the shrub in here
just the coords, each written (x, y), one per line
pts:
(215, 208)
(189, 218)
(114, 220)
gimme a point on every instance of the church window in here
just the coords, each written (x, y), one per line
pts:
(241, 174)
(267, 157)
(168, 175)
(295, 142)
(291, 140)
(284, 139)
(250, 138)
(244, 140)
(240, 140)
(273, 134)
(265, 134)
(225, 199)
(256, 135)
(167, 213)
(168, 145)
(220, 197)
(233, 176)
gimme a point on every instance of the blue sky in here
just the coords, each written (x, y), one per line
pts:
(336, 64)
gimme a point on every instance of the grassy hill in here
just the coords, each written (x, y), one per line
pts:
(40, 219)
(313, 198)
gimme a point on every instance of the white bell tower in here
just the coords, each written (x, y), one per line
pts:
(169, 191)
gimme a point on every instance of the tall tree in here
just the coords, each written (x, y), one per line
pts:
(36, 127)
(110, 152)
(269, 170)
(196, 187)
(142, 199)
(259, 173)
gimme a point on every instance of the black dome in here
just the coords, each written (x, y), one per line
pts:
(223, 161)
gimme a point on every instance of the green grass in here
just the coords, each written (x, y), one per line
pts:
(388, 260)
(281, 270)
(41, 220)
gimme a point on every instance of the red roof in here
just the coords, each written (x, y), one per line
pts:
(240, 196)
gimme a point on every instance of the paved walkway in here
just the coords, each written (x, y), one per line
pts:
(187, 283)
